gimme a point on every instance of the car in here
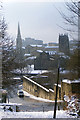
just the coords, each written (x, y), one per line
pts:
(20, 93)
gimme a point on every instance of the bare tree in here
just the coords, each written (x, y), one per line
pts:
(71, 17)
(72, 20)
(7, 52)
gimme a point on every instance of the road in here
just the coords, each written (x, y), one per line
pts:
(28, 104)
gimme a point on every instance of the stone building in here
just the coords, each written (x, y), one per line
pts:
(33, 49)
(70, 88)
(29, 41)
(64, 43)
(42, 62)
(52, 48)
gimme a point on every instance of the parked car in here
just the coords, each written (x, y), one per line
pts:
(20, 93)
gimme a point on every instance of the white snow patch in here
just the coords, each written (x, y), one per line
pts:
(35, 45)
(38, 98)
(69, 81)
(27, 54)
(60, 53)
(39, 51)
(18, 78)
(38, 71)
(8, 104)
(51, 52)
(49, 114)
(51, 90)
(52, 47)
(64, 71)
(58, 85)
(31, 58)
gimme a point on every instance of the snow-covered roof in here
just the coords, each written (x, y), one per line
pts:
(58, 85)
(65, 57)
(36, 83)
(27, 54)
(71, 49)
(16, 78)
(51, 52)
(23, 47)
(39, 51)
(60, 53)
(52, 47)
(43, 76)
(38, 71)
(31, 58)
(69, 81)
(35, 45)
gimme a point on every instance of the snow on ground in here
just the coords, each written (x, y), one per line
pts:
(38, 98)
(64, 72)
(29, 69)
(49, 114)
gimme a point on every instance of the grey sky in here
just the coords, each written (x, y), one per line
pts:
(37, 19)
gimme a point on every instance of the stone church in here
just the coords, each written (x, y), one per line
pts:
(18, 42)
(64, 44)
(19, 48)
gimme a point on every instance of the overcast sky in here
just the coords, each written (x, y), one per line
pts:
(37, 20)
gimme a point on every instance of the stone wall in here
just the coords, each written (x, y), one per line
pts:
(36, 89)
(69, 88)
(65, 89)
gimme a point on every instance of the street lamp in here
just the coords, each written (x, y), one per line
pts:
(54, 116)
(56, 93)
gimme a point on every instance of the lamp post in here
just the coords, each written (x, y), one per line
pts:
(56, 93)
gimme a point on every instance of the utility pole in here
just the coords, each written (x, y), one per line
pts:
(56, 94)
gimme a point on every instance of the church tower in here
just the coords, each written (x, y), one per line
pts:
(64, 43)
(18, 42)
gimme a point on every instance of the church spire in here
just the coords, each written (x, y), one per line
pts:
(18, 40)
(19, 34)
(19, 51)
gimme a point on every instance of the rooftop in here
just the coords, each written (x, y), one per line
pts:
(69, 81)
(52, 47)
(35, 45)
